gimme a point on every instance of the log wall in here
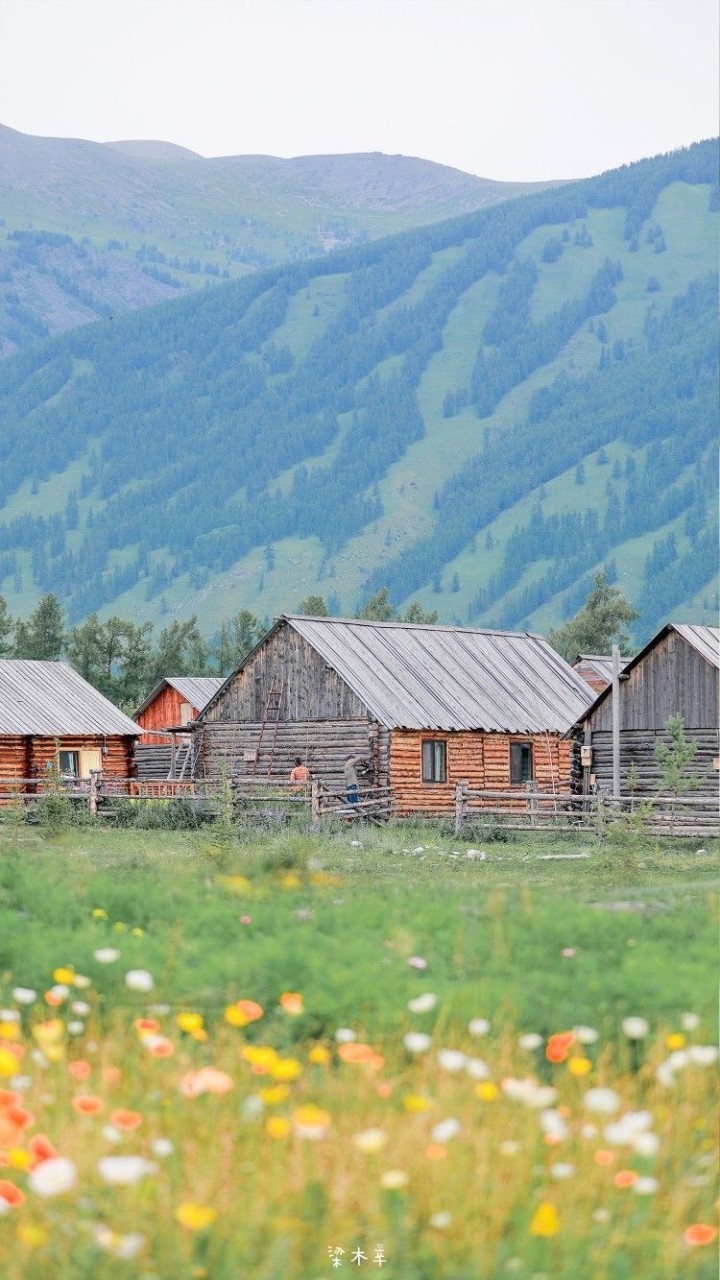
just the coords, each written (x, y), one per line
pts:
(323, 745)
(480, 759)
(637, 747)
(15, 757)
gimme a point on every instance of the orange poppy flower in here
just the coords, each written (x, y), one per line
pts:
(291, 1002)
(11, 1194)
(79, 1069)
(146, 1026)
(356, 1052)
(125, 1119)
(41, 1148)
(604, 1157)
(434, 1151)
(88, 1104)
(243, 1012)
(558, 1046)
(625, 1178)
(699, 1233)
(8, 1097)
(162, 1047)
(111, 1075)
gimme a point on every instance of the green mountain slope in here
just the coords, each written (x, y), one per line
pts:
(479, 414)
(93, 230)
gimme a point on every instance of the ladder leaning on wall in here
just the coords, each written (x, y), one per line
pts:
(270, 720)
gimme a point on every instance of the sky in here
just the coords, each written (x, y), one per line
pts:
(505, 89)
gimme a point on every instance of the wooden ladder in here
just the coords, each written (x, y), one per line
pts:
(271, 718)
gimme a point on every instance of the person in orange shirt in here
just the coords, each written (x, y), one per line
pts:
(300, 771)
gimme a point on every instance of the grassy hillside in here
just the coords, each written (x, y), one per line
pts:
(93, 230)
(479, 414)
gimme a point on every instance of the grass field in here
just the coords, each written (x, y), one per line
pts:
(231, 1056)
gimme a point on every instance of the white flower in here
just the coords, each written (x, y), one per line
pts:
(80, 1007)
(24, 995)
(423, 1003)
(561, 1170)
(529, 1092)
(601, 1215)
(646, 1186)
(530, 1041)
(253, 1106)
(81, 982)
(344, 1035)
(702, 1055)
(646, 1144)
(139, 980)
(124, 1171)
(664, 1075)
(417, 1042)
(603, 1100)
(9, 1015)
(690, 1022)
(440, 1221)
(20, 1083)
(394, 1180)
(588, 1131)
(159, 1010)
(125, 1247)
(53, 1177)
(585, 1035)
(417, 962)
(477, 1069)
(445, 1130)
(162, 1147)
(370, 1140)
(552, 1124)
(75, 1028)
(60, 991)
(478, 1026)
(678, 1059)
(106, 955)
(451, 1059)
(635, 1028)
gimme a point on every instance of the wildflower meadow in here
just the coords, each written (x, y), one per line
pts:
(288, 1057)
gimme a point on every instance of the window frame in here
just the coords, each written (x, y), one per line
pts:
(522, 753)
(433, 761)
(65, 772)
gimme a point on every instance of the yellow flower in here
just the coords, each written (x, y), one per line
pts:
(319, 1055)
(487, 1091)
(199, 1034)
(100, 913)
(274, 1094)
(243, 1012)
(286, 1069)
(545, 1220)
(234, 884)
(311, 1121)
(676, 1040)
(119, 927)
(137, 932)
(579, 1066)
(9, 1031)
(196, 1217)
(189, 1022)
(260, 1055)
(414, 1102)
(290, 880)
(64, 974)
(18, 1158)
(277, 1127)
(49, 1033)
(31, 1234)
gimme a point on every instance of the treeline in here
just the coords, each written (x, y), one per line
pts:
(186, 417)
(124, 661)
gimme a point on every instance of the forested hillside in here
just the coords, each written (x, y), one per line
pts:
(479, 414)
(92, 230)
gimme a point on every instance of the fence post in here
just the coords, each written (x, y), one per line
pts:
(532, 802)
(93, 795)
(460, 788)
(314, 802)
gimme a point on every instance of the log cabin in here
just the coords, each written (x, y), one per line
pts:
(675, 674)
(164, 715)
(427, 706)
(52, 720)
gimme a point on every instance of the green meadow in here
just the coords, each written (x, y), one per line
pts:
(459, 1058)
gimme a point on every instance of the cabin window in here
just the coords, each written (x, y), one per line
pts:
(521, 762)
(69, 764)
(434, 761)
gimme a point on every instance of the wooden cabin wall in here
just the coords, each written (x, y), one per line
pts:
(229, 748)
(14, 757)
(117, 762)
(164, 711)
(672, 679)
(482, 760)
(637, 747)
(311, 690)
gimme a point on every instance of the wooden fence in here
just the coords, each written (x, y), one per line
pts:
(536, 810)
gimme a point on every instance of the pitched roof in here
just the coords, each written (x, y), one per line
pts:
(50, 699)
(196, 690)
(601, 663)
(445, 678)
(705, 639)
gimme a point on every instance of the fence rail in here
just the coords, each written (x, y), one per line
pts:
(682, 815)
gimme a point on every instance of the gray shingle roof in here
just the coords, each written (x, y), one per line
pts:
(443, 677)
(50, 699)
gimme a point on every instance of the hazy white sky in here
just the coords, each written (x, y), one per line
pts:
(514, 89)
